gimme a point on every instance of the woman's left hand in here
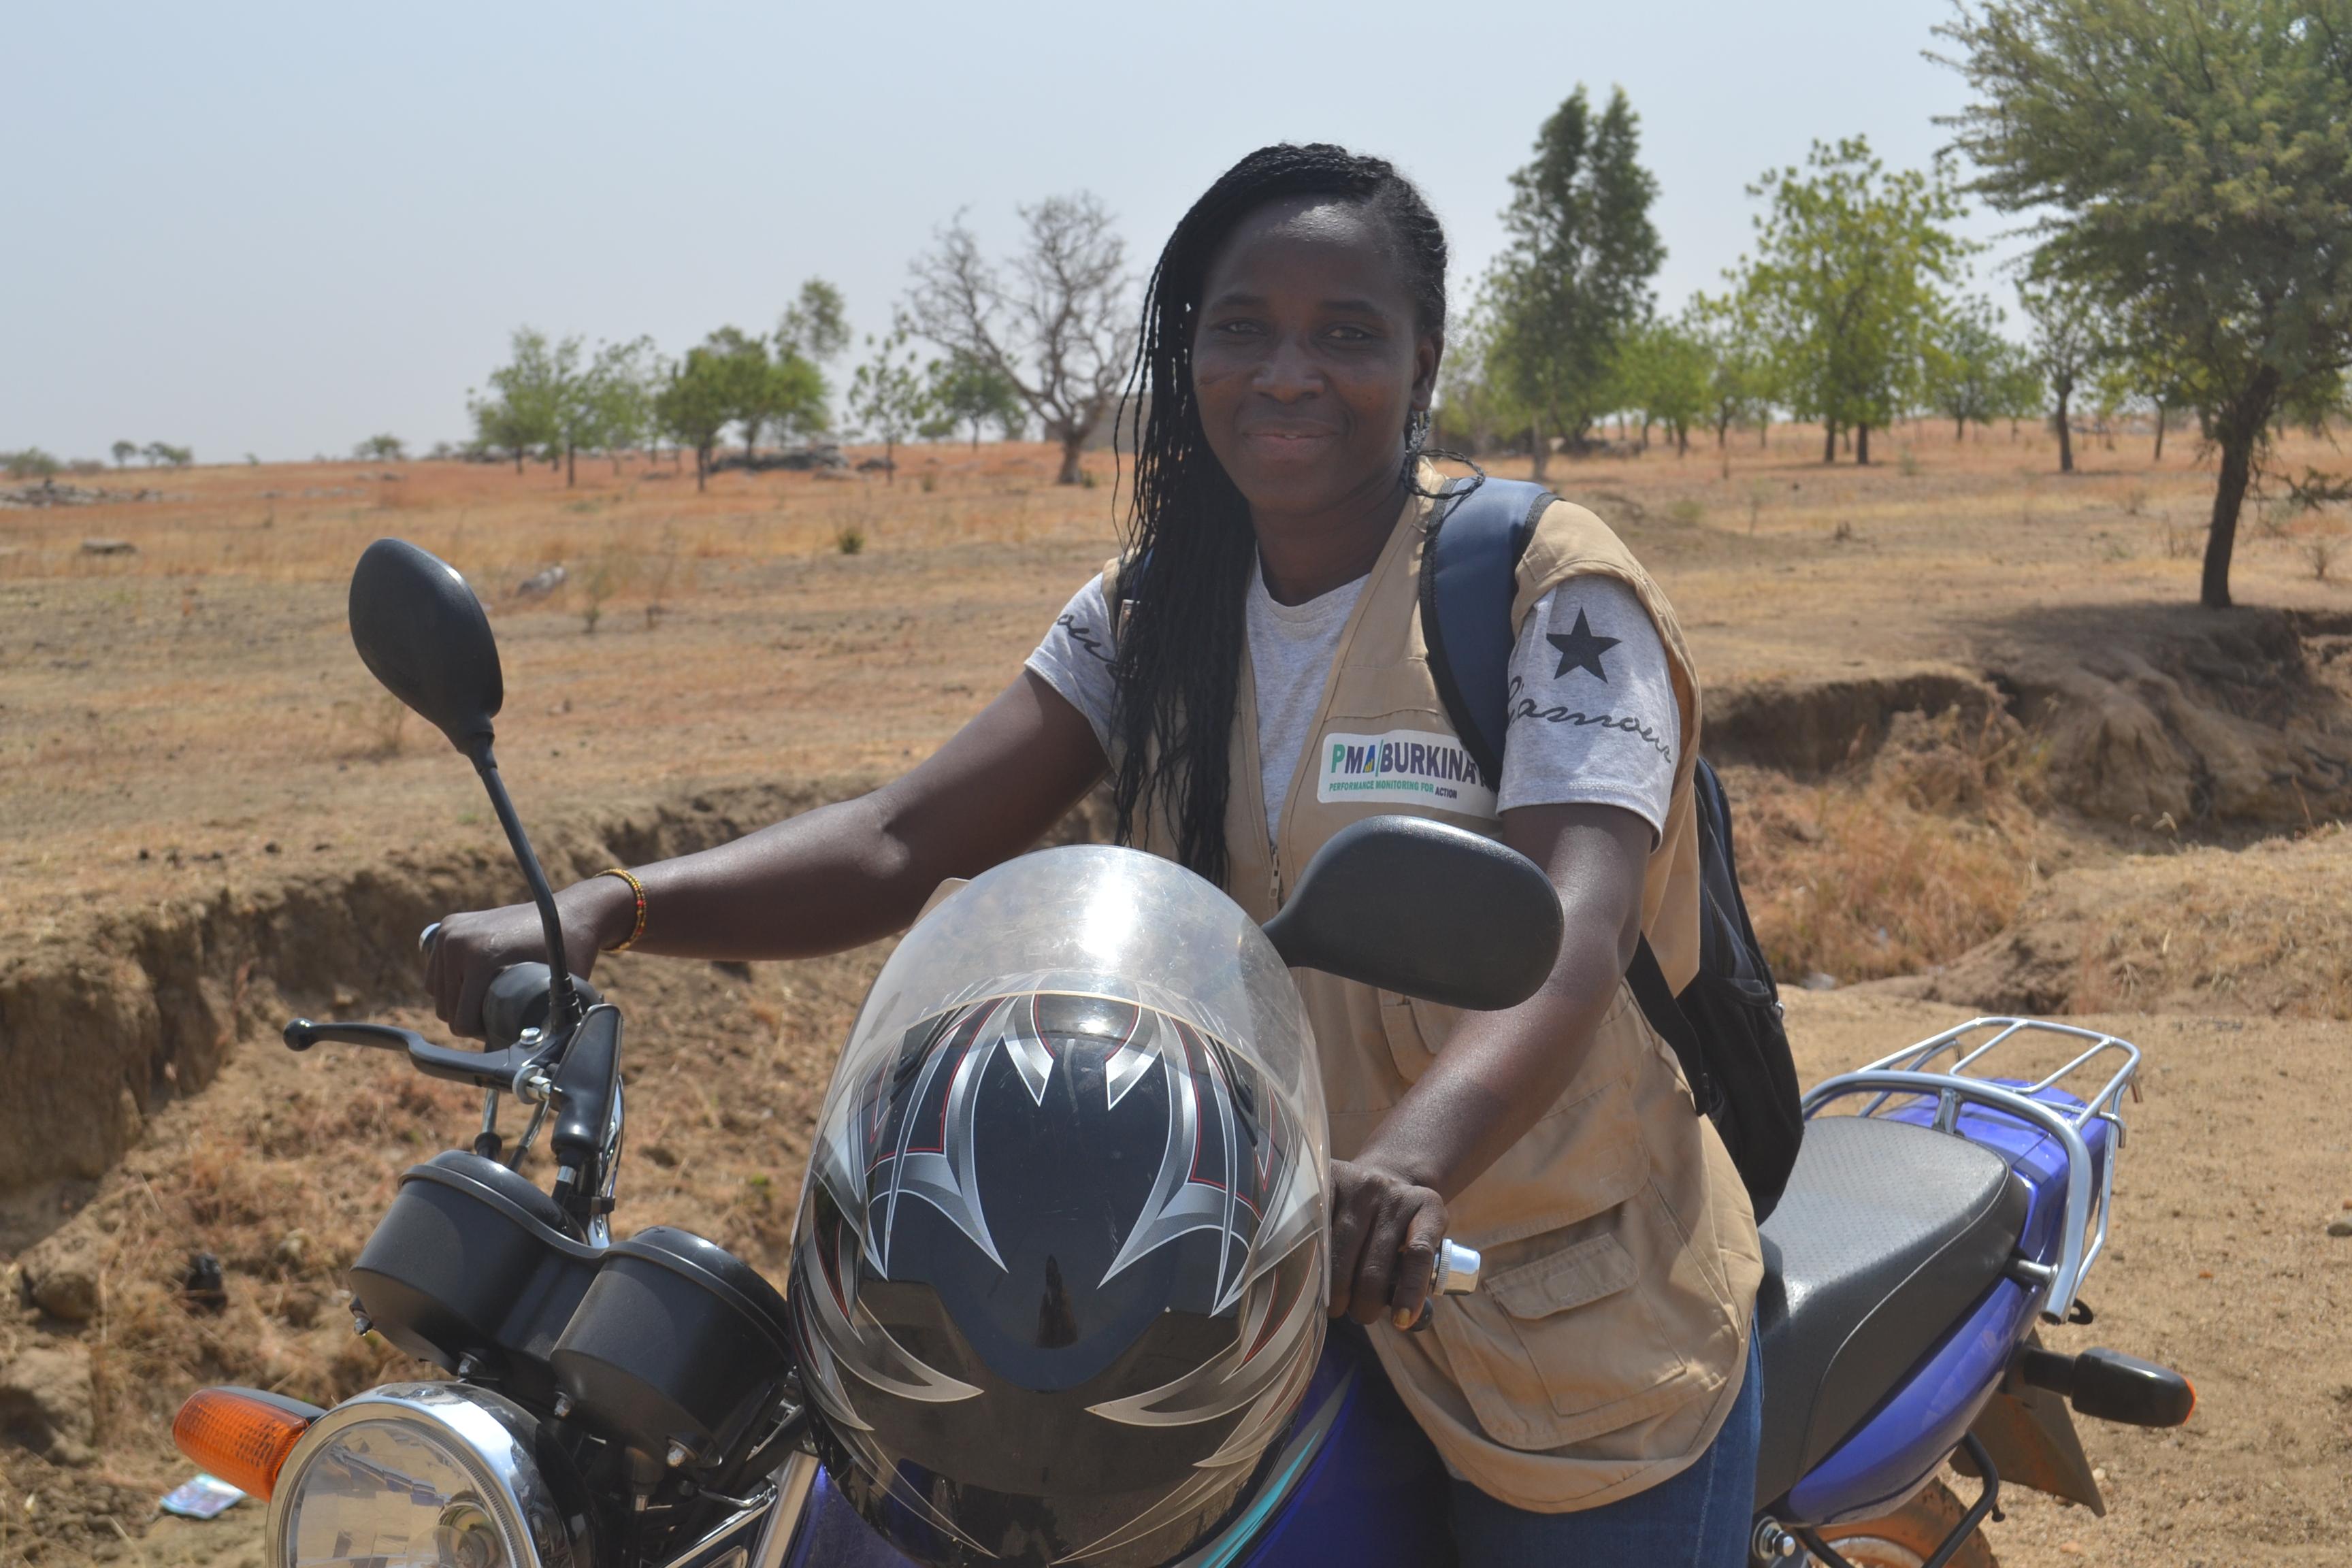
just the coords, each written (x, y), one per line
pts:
(1385, 1231)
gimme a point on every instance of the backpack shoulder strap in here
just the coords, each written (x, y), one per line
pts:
(1468, 580)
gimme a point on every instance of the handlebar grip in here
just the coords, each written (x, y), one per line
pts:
(1457, 1269)
(1455, 1273)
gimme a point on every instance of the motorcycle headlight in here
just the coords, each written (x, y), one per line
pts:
(429, 1475)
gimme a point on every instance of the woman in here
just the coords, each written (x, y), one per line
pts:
(1598, 1399)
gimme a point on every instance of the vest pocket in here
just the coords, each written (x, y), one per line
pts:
(1566, 1345)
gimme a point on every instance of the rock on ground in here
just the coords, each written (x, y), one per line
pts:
(45, 1403)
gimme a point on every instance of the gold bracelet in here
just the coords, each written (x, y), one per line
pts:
(637, 930)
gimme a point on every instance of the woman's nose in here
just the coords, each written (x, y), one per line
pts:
(1287, 373)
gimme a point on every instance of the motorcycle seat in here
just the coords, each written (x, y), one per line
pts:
(1888, 1233)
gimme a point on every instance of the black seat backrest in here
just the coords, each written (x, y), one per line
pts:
(1887, 1234)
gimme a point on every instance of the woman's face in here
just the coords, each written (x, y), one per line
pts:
(1308, 361)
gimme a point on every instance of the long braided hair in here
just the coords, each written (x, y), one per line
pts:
(1190, 544)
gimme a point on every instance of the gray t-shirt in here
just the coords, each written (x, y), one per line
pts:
(1592, 713)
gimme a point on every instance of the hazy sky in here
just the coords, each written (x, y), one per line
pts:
(280, 228)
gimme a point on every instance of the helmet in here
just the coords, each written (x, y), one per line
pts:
(1058, 1275)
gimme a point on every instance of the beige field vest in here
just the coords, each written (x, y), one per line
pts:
(1608, 1336)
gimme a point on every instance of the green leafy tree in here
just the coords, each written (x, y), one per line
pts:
(1475, 409)
(2192, 162)
(1967, 359)
(381, 448)
(617, 393)
(816, 325)
(1662, 371)
(162, 454)
(1738, 364)
(2140, 361)
(695, 405)
(1058, 323)
(32, 463)
(782, 389)
(739, 364)
(123, 452)
(1576, 277)
(521, 415)
(968, 394)
(2066, 351)
(890, 397)
(1846, 283)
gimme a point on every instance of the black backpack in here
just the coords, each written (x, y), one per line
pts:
(1725, 1026)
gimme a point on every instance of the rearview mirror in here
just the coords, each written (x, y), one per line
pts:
(1425, 909)
(422, 633)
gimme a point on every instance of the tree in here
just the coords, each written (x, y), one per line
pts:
(695, 404)
(1738, 364)
(1576, 277)
(762, 389)
(1059, 325)
(521, 415)
(382, 449)
(32, 463)
(1474, 406)
(1844, 281)
(163, 452)
(2140, 361)
(2067, 349)
(123, 452)
(815, 326)
(617, 395)
(2192, 165)
(965, 393)
(890, 397)
(1967, 359)
(1662, 371)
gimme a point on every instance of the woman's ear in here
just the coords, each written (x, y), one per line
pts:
(1428, 354)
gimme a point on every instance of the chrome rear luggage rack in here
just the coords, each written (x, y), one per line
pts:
(1914, 1072)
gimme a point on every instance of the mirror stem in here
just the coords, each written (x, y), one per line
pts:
(562, 1010)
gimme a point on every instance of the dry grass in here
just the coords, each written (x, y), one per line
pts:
(2266, 930)
(1899, 864)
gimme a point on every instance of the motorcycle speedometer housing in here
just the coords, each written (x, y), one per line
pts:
(470, 1463)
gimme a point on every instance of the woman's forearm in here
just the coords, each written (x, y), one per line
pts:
(824, 881)
(1498, 1073)
(844, 874)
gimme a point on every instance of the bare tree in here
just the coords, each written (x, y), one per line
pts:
(1058, 324)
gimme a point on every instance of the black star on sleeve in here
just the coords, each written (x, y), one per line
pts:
(1579, 649)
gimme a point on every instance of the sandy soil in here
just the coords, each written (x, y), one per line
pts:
(185, 726)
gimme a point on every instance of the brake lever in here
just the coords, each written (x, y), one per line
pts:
(482, 1070)
(301, 1034)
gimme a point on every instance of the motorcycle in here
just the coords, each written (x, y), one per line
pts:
(638, 1404)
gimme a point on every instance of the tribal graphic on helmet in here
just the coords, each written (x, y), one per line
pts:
(1049, 1202)
(910, 1136)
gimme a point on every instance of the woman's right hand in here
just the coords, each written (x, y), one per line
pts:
(472, 948)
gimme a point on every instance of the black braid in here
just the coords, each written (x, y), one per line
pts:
(1190, 546)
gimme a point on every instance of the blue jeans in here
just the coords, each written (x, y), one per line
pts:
(1697, 1519)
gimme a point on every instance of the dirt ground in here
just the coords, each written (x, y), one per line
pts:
(1984, 756)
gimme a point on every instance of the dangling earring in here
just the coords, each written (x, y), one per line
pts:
(1416, 431)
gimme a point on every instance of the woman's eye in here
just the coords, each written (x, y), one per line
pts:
(1349, 334)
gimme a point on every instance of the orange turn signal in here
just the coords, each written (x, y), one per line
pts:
(242, 1434)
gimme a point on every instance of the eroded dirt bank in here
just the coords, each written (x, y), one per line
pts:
(101, 1026)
